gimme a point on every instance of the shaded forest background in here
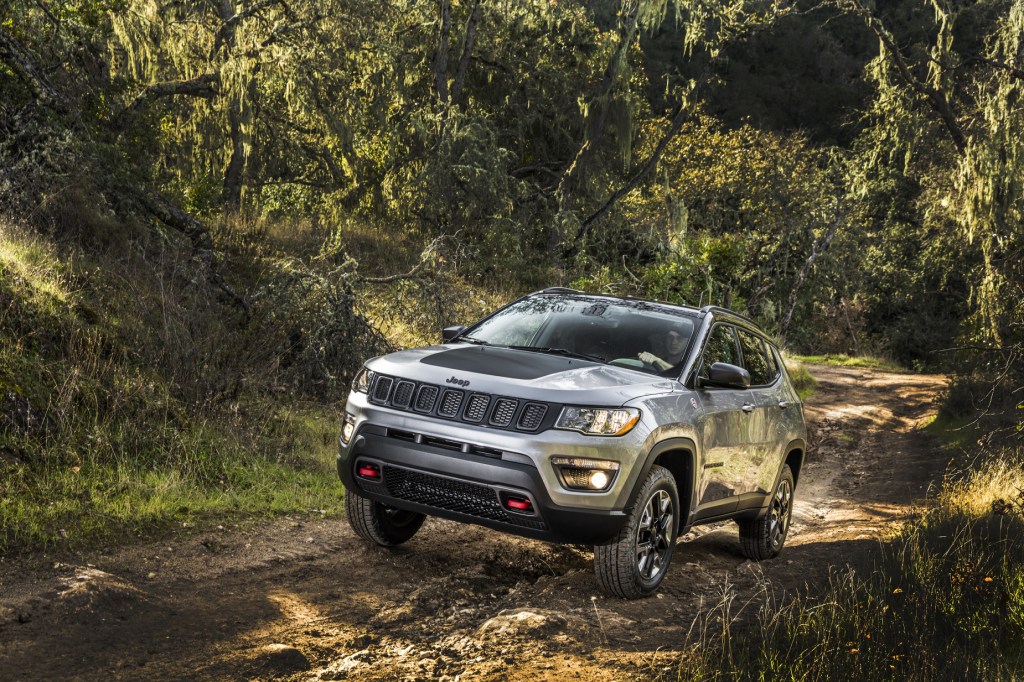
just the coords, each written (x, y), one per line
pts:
(212, 212)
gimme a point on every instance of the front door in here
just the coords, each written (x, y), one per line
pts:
(725, 430)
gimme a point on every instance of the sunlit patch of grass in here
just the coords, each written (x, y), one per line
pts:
(959, 434)
(34, 262)
(843, 360)
(997, 487)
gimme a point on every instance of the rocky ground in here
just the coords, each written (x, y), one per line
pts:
(304, 598)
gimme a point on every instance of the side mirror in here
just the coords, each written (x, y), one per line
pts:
(724, 375)
(449, 333)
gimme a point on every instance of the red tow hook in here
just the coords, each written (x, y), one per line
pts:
(369, 471)
(519, 504)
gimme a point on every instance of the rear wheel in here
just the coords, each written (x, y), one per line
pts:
(634, 564)
(764, 538)
(380, 523)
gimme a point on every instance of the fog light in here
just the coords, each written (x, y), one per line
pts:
(348, 428)
(599, 480)
(583, 473)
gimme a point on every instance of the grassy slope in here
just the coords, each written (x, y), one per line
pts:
(101, 440)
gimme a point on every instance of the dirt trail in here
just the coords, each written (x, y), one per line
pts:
(306, 599)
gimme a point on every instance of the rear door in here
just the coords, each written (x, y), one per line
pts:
(761, 406)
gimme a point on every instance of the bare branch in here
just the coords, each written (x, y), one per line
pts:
(15, 56)
(203, 85)
(817, 248)
(678, 118)
(225, 34)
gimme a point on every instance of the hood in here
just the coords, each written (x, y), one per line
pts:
(522, 374)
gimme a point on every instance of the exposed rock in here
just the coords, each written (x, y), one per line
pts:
(281, 659)
(91, 589)
(521, 622)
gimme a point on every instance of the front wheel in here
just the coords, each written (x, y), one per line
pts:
(763, 539)
(634, 564)
(380, 523)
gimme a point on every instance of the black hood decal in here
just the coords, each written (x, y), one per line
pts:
(503, 362)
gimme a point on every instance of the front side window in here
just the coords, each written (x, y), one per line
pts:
(721, 347)
(755, 360)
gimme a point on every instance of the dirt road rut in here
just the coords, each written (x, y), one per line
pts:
(306, 599)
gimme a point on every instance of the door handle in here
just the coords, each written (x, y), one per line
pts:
(783, 404)
(747, 407)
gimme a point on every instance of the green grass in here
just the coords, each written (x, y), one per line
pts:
(205, 478)
(944, 600)
(842, 360)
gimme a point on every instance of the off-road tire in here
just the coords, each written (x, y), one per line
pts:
(763, 539)
(622, 568)
(380, 523)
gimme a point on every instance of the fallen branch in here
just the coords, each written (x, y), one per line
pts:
(199, 236)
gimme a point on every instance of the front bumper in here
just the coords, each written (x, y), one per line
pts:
(471, 484)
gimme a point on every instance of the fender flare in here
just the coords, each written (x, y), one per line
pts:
(687, 488)
(799, 445)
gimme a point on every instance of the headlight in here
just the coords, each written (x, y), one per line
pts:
(583, 473)
(361, 384)
(598, 421)
(348, 428)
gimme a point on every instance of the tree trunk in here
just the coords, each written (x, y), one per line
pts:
(467, 49)
(817, 248)
(441, 58)
(597, 114)
(13, 54)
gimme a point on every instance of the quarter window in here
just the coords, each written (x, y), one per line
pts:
(755, 360)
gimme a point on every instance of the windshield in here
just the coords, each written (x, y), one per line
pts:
(632, 334)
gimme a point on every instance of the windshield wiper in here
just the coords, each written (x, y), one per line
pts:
(560, 351)
(472, 339)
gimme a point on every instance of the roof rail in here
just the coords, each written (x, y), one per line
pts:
(559, 290)
(720, 309)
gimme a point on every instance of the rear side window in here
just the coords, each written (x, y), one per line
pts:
(755, 359)
(721, 347)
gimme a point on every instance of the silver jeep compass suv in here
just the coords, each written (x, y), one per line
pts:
(585, 419)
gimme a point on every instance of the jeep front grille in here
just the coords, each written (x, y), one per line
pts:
(425, 398)
(461, 497)
(533, 415)
(503, 412)
(455, 404)
(403, 394)
(477, 407)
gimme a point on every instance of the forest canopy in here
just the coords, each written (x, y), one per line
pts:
(848, 173)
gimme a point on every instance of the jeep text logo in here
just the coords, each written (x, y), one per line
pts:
(458, 382)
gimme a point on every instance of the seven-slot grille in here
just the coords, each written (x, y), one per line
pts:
(453, 403)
